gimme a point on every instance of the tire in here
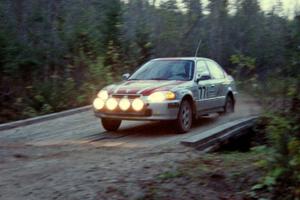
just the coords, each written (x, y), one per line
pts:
(111, 124)
(185, 117)
(229, 105)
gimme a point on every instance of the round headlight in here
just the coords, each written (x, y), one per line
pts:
(124, 104)
(98, 103)
(111, 103)
(137, 104)
(103, 94)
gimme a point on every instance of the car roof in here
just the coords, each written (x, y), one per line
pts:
(182, 58)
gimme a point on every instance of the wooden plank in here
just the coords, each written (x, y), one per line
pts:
(220, 133)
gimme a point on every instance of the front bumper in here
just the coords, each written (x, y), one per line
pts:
(167, 110)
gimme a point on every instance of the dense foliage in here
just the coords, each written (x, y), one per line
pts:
(280, 126)
(280, 97)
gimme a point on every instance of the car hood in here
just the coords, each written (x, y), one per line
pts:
(144, 87)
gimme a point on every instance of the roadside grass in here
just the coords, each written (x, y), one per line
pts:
(221, 175)
(170, 175)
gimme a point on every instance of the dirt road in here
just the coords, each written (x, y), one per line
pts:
(74, 158)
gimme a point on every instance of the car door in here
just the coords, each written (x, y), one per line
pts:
(203, 84)
(217, 96)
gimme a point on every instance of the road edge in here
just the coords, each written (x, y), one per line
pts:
(42, 118)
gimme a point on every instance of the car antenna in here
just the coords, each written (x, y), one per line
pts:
(199, 43)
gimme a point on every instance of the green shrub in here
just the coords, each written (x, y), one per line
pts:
(282, 128)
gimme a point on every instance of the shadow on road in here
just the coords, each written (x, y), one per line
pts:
(151, 130)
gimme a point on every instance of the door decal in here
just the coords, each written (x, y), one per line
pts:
(202, 92)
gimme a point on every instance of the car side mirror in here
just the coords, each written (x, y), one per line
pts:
(202, 77)
(125, 76)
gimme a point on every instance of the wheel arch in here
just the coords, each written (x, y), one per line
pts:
(230, 94)
(190, 99)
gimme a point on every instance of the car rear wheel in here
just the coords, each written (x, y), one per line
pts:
(229, 105)
(185, 117)
(110, 124)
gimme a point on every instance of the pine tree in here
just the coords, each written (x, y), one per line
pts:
(217, 29)
(111, 37)
(193, 31)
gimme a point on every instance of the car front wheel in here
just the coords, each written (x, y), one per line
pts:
(110, 124)
(185, 116)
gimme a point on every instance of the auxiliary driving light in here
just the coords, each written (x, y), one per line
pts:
(124, 104)
(103, 94)
(111, 103)
(137, 104)
(98, 103)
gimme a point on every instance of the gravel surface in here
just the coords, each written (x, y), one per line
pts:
(74, 158)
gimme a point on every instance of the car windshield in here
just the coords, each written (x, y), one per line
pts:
(165, 70)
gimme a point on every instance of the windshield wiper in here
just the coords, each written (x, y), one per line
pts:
(134, 79)
(157, 79)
